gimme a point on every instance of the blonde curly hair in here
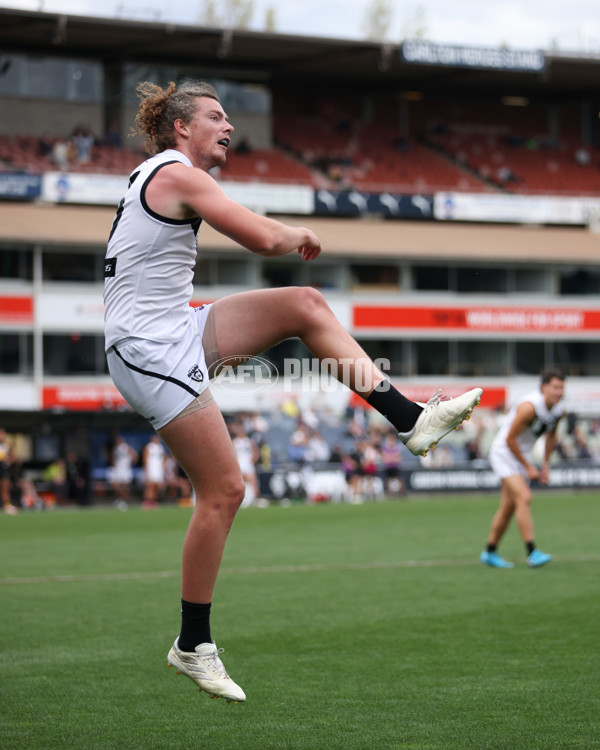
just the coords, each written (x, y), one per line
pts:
(159, 108)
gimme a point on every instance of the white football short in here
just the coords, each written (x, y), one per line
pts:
(159, 380)
(504, 463)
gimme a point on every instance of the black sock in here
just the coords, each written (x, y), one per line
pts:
(395, 407)
(529, 546)
(491, 548)
(195, 625)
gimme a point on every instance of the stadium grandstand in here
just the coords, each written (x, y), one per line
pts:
(456, 193)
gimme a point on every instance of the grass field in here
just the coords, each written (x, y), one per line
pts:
(370, 626)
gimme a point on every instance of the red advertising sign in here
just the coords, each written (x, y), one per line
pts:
(16, 309)
(479, 318)
(82, 397)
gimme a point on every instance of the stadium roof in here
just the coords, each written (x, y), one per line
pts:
(269, 57)
(78, 226)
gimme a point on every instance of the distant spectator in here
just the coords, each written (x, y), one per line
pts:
(177, 485)
(583, 157)
(317, 449)
(23, 492)
(391, 459)
(83, 138)
(5, 474)
(298, 444)
(243, 146)
(45, 145)
(77, 479)
(113, 137)
(64, 153)
(56, 476)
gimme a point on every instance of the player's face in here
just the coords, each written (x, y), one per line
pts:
(553, 391)
(210, 132)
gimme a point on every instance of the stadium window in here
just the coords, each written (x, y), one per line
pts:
(432, 357)
(391, 350)
(376, 276)
(431, 278)
(205, 272)
(76, 266)
(233, 272)
(529, 357)
(478, 358)
(481, 280)
(325, 277)
(577, 358)
(276, 273)
(579, 281)
(72, 354)
(16, 353)
(534, 280)
(288, 350)
(53, 78)
(16, 264)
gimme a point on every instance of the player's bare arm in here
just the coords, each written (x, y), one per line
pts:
(523, 418)
(549, 447)
(179, 192)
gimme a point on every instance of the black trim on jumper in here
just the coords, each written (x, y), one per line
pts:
(155, 374)
(194, 223)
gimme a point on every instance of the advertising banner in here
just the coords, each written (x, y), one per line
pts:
(21, 187)
(355, 203)
(515, 209)
(79, 397)
(94, 189)
(16, 309)
(479, 318)
(460, 56)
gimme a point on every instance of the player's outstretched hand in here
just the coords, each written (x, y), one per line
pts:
(311, 249)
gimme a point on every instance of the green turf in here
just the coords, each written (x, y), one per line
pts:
(356, 627)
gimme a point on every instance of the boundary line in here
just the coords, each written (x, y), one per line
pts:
(273, 569)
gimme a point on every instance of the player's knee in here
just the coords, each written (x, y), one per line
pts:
(232, 494)
(524, 500)
(310, 305)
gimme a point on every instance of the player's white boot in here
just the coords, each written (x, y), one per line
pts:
(437, 419)
(206, 669)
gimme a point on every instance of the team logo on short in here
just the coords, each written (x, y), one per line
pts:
(195, 373)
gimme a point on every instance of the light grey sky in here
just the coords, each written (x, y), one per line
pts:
(570, 25)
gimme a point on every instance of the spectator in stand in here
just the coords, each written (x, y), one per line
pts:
(56, 476)
(45, 145)
(83, 138)
(177, 485)
(64, 153)
(153, 459)
(317, 449)
(23, 492)
(5, 498)
(298, 444)
(77, 479)
(352, 472)
(391, 458)
(243, 146)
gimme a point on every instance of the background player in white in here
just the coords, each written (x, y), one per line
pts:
(247, 454)
(153, 459)
(121, 474)
(161, 352)
(533, 415)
